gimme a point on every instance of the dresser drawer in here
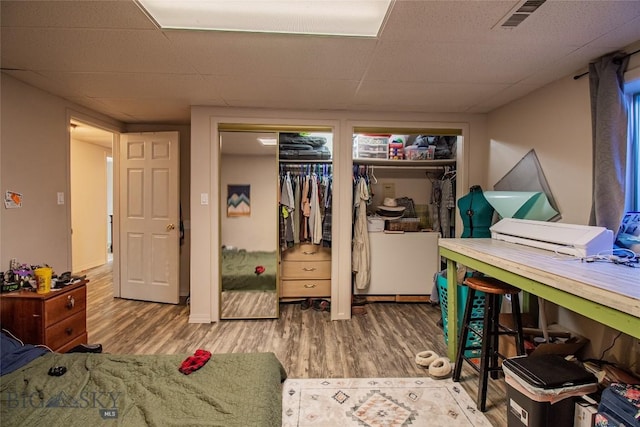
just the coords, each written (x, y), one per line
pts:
(306, 269)
(69, 329)
(65, 305)
(307, 252)
(305, 288)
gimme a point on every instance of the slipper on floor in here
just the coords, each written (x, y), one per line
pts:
(426, 358)
(440, 368)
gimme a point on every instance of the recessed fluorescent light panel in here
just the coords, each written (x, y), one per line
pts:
(361, 18)
(267, 141)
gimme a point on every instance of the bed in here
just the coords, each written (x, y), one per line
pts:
(239, 270)
(243, 389)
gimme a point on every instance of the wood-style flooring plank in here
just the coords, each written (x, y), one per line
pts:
(381, 343)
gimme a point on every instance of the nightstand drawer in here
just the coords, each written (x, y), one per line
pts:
(66, 330)
(304, 270)
(65, 305)
(305, 288)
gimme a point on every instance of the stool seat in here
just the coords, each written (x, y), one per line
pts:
(485, 324)
(489, 285)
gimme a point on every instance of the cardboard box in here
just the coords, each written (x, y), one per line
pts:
(562, 347)
(585, 412)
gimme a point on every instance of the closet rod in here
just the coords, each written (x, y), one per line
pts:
(416, 167)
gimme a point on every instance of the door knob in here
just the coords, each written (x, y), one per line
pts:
(170, 227)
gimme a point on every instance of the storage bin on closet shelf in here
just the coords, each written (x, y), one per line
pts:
(371, 147)
(414, 152)
(305, 272)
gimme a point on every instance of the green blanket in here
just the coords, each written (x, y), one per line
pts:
(239, 270)
(136, 390)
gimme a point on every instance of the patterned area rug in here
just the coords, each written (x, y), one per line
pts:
(373, 402)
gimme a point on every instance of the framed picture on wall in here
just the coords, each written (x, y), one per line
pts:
(238, 200)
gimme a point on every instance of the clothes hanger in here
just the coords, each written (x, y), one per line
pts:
(373, 176)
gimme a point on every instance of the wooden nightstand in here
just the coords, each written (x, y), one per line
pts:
(57, 319)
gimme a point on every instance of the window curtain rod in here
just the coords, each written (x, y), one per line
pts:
(586, 72)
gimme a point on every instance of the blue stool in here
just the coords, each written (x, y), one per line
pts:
(490, 332)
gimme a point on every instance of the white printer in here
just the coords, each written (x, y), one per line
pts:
(570, 239)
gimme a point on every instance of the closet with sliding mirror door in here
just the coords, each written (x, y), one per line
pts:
(248, 224)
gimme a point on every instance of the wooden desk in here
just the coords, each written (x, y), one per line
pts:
(602, 291)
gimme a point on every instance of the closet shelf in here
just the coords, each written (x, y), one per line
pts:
(300, 161)
(408, 164)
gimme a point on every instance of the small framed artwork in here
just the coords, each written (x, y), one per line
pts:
(238, 200)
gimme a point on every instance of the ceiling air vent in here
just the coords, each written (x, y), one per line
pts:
(519, 13)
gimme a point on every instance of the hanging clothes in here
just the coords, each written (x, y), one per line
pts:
(316, 230)
(297, 192)
(287, 208)
(306, 210)
(326, 223)
(361, 255)
(442, 206)
(305, 195)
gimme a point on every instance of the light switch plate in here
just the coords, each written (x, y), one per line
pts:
(389, 190)
(60, 198)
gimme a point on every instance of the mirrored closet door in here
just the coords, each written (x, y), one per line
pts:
(248, 225)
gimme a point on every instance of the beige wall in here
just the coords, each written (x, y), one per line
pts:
(88, 205)
(556, 122)
(34, 156)
(34, 142)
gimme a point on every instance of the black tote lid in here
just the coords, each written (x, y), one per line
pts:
(549, 371)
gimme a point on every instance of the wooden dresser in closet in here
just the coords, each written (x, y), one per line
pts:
(57, 319)
(305, 272)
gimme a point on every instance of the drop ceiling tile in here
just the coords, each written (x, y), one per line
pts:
(443, 97)
(443, 21)
(91, 50)
(572, 23)
(286, 92)
(502, 97)
(96, 105)
(623, 35)
(45, 83)
(73, 14)
(274, 55)
(150, 110)
(139, 85)
(458, 62)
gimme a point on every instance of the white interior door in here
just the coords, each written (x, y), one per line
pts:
(149, 216)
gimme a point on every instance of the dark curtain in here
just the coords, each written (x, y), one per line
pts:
(609, 110)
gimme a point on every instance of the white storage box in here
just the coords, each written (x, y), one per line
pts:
(371, 147)
(375, 224)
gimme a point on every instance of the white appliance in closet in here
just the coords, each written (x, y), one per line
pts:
(402, 263)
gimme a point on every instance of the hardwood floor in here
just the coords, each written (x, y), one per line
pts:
(381, 343)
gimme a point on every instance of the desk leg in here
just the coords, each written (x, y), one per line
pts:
(452, 310)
